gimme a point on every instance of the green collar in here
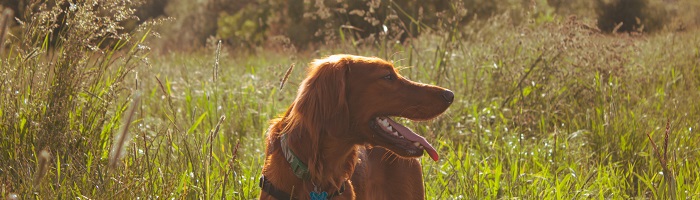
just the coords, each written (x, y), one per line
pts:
(298, 167)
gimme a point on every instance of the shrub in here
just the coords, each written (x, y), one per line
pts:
(244, 27)
(629, 16)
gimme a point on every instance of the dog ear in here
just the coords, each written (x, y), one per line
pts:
(321, 99)
(321, 107)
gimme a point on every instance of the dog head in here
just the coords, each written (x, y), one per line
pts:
(355, 98)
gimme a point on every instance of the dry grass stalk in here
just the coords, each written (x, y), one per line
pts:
(617, 27)
(122, 138)
(213, 135)
(170, 102)
(216, 63)
(230, 168)
(4, 24)
(235, 154)
(286, 76)
(44, 158)
(663, 161)
(215, 132)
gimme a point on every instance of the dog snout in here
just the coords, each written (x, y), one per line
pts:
(448, 96)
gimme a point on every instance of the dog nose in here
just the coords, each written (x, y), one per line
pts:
(448, 96)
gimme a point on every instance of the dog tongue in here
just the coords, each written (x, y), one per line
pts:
(410, 135)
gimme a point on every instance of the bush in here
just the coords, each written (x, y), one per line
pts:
(629, 16)
(245, 27)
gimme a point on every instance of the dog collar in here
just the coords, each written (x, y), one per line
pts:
(298, 167)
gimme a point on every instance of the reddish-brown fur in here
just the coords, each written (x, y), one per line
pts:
(327, 127)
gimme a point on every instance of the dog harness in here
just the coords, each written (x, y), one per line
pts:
(300, 170)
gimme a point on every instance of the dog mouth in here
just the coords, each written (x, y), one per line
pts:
(402, 138)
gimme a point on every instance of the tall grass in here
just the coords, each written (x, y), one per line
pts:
(64, 75)
(550, 108)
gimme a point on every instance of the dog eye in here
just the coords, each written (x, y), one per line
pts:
(389, 77)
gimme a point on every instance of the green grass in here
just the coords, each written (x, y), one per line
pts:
(545, 110)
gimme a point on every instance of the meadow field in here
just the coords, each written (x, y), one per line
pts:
(547, 106)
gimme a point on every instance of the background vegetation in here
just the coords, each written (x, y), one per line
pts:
(171, 98)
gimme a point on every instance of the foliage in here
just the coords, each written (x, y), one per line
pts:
(244, 27)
